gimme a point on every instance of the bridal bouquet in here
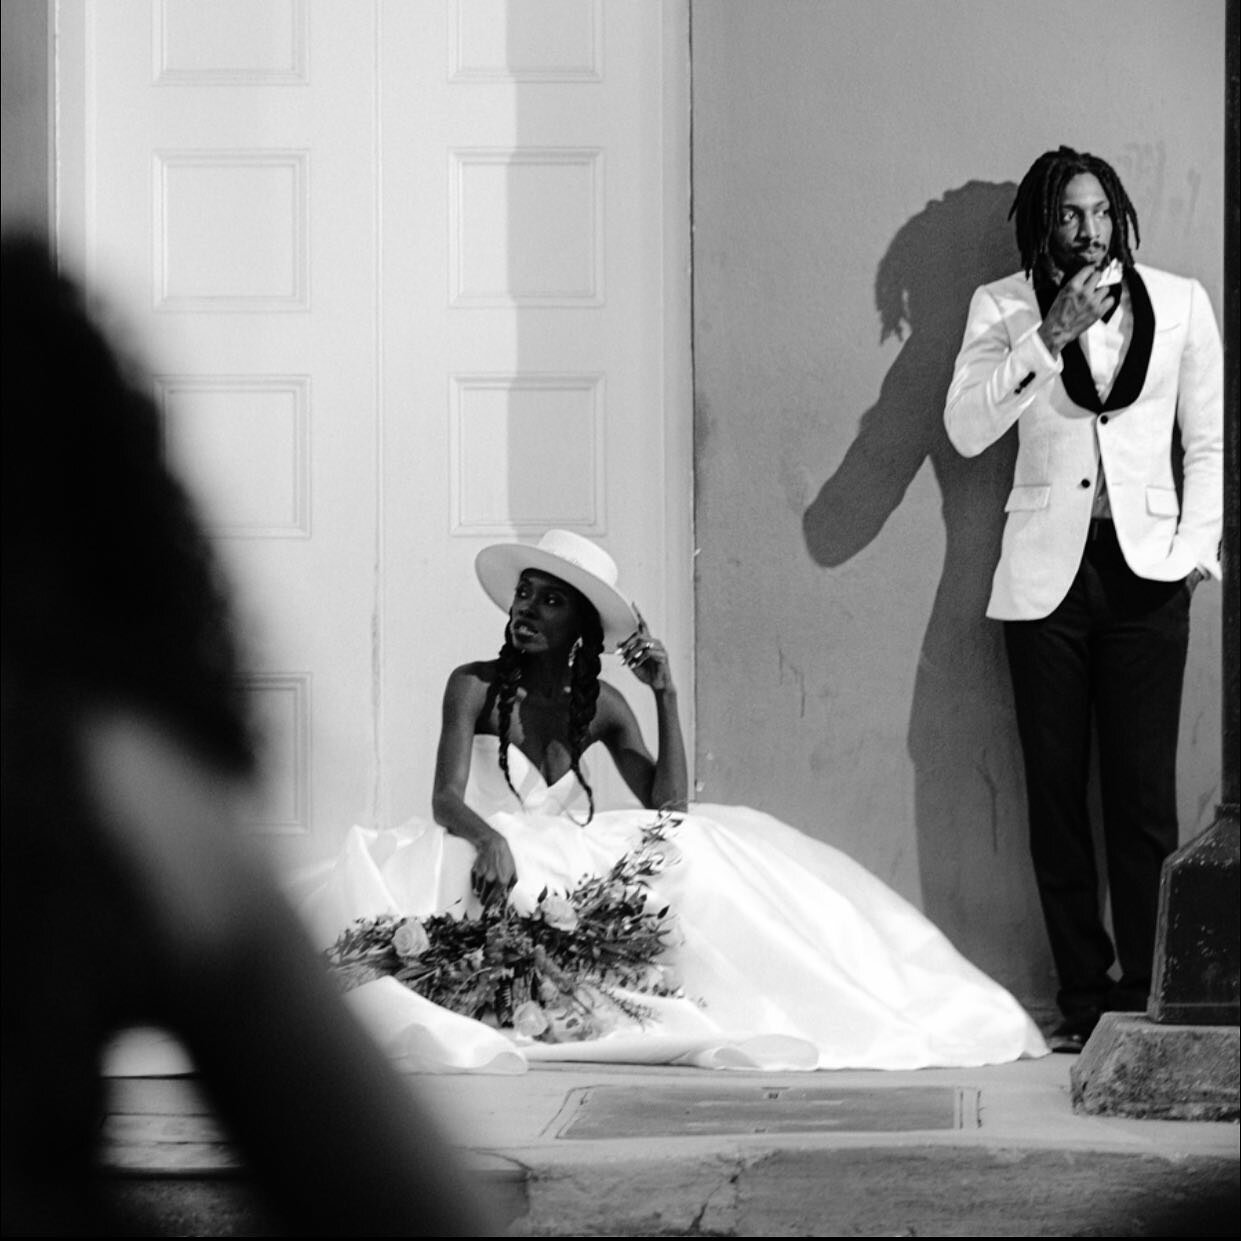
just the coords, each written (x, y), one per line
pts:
(563, 973)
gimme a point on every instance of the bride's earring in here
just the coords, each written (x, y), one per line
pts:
(573, 650)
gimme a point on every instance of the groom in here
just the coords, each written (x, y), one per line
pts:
(1096, 360)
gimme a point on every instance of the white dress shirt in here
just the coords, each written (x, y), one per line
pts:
(1104, 344)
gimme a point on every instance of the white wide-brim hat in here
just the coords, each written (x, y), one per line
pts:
(573, 559)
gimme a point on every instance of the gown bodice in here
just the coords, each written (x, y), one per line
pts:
(488, 793)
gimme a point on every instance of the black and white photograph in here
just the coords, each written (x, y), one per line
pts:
(620, 618)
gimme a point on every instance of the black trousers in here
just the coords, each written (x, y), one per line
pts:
(1114, 649)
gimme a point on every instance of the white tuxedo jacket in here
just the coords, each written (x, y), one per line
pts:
(1172, 373)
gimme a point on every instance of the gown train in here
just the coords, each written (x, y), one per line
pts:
(792, 956)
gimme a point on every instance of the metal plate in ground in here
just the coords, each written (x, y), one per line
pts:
(595, 1112)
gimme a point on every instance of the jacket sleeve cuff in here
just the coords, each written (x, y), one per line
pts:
(1029, 366)
(1212, 568)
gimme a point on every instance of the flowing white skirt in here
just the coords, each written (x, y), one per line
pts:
(792, 955)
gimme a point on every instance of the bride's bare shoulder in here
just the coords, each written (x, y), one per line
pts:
(477, 670)
(470, 681)
(613, 707)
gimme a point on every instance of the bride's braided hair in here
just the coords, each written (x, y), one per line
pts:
(583, 697)
(504, 687)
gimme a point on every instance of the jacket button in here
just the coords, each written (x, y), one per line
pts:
(1084, 483)
(1102, 417)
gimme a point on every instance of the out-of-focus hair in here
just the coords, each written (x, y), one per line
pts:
(111, 590)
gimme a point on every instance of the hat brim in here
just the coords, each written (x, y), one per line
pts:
(500, 566)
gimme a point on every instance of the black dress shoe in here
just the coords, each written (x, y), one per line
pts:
(1070, 1036)
(1068, 1042)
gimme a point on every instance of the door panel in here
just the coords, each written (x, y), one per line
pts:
(228, 175)
(411, 278)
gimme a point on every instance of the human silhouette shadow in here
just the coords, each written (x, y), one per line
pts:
(969, 789)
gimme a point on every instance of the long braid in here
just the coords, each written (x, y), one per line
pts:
(507, 678)
(584, 696)
(1036, 207)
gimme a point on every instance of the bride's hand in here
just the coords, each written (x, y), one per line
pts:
(646, 656)
(494, 872)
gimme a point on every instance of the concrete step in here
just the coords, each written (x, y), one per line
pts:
(597, 1150)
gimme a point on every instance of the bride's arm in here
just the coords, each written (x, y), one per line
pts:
(494, 871)
(660, 783)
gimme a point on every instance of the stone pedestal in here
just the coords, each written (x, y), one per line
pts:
(1197, 975)
(1133, 1066)
(1179, 1060)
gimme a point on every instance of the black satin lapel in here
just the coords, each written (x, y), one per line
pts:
(1132, 377)
(1078, 381)
(1076, 377)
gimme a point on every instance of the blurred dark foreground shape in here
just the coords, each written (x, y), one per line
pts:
(130, 894)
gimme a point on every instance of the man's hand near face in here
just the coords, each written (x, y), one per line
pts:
(1079, 303)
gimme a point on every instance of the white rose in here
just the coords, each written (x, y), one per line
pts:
(603, 1017)
(566, 1027)
(529, 1019)
(672, 977)
(558, 912)
(410, 940)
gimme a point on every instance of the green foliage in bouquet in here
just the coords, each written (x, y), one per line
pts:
(559, 974)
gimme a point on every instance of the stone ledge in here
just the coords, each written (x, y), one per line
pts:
(904, 1191)
(1136, 1067)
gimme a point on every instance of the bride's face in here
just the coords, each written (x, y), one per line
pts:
(546, 615)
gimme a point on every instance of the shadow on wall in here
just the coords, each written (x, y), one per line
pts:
(969, 787)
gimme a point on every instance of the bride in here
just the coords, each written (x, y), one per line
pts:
(789, 954)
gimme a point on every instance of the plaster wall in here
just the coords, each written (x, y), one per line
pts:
(25, 138)
(853, 167)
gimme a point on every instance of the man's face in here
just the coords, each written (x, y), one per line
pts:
(1083, 233)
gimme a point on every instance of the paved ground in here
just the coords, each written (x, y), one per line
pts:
(583, 1150)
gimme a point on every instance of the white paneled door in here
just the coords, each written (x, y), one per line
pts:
(411, 277)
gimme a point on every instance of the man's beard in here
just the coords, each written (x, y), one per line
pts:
(1074, 260)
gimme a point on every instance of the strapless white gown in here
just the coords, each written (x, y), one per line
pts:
(792, 955)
